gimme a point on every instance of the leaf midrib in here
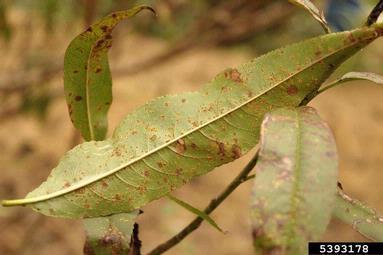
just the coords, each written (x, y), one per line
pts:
(114, 170)
(294, 203)
(87, 97)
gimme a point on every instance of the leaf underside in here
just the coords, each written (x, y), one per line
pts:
(295, 188)
(87, 78)
(163, 144)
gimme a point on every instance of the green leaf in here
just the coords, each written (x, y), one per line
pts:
(313, 10)
(109, 235)
(354, 76)
(87, 78)
(168, 141)
(295, 189)
(196, 211)
(362, 218)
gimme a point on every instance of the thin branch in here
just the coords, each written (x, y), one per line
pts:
(241, 177)
(375, 13)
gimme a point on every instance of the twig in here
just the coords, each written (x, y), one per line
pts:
(241, 177)
(375, 13)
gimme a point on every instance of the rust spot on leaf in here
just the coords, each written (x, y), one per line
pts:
(89, 29)
(233, 75)
(236, 150)
(221, 149)
(88, 249)
(351, 38)
(180, 147)
(179, 171)
(98, 70)
(104, 28)
(104, 184)
(292, 90)
(78, 98)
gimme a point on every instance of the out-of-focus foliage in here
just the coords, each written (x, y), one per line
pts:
(5, 28)
(343, 14)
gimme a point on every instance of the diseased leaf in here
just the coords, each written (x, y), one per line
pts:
(354, 76)
(165, 143)
(196, 211)
(362, 218)
(295, 188)
(109, 235)
(87, 78)
(313, 10)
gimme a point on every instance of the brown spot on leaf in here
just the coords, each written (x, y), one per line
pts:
(180, 147)
(117, 197)
(88, 249)
(114, 15)
(351, 38)
(236, 150)
(89, 29)
(160, 164)
(183, 100)
(233, 75)
(66, 184)
(179, 171)
(104, 184)
(98, 70)
(75, 71)
(221, 149)
(292, 90)
(104, 28)
(78, 98)
(108, 36)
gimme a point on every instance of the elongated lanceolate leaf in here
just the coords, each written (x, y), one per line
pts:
(109, 235)
(87, 78)
(196, 211)
(295, 189)
(362, 218)
(313, 10)
(354, 76)
(163, 144)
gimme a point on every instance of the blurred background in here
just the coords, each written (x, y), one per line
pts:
(180, 50)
